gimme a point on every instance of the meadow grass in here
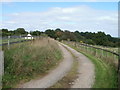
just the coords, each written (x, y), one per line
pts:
(24, 61)
(105, 75)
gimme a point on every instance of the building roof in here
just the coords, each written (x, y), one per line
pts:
(29, 35)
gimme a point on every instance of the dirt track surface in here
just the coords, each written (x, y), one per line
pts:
(55, 75)
(85, 77)
(86, 71)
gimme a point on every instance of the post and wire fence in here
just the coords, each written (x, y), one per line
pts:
(7, 43)
(110, 57)
(106, 55)
(8, 40)
(12, 39)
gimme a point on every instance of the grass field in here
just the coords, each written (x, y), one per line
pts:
(27, 60)
(105, 74)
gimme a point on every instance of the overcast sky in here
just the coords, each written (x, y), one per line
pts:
(81, 16)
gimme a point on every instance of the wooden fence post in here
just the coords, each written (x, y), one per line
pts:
(75, 44)
(106, 54)
(20, 38)
(1, 67)
(118, 72)
(91, 50)
(101, 54)
(95, 52)
(8, 42)
(86, 49)
(114, 57)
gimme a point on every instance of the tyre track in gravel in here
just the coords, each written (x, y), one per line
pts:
(55, 75)
(86, 70)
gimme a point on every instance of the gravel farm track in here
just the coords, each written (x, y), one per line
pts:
(86, 74)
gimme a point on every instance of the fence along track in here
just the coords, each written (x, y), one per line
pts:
(110, 57)
(98, 52)
(15, 39)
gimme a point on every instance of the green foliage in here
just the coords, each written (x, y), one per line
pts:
(68, 35)
(50, 33)
(58, 33)
(99, 38)
(18, 31)
(5, 32)
(90, 41)
(35, 33)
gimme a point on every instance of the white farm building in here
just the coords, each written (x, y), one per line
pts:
(29, 36)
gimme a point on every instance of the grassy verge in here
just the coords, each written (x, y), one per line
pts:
(25, 61)
(105, 75)
(68, 80)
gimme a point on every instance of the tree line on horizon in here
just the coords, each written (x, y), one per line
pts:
(99, 38)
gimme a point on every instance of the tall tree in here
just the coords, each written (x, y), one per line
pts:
(35, 33)
(20, 31)
(5, 32)
(78, 36)
(51, 33)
